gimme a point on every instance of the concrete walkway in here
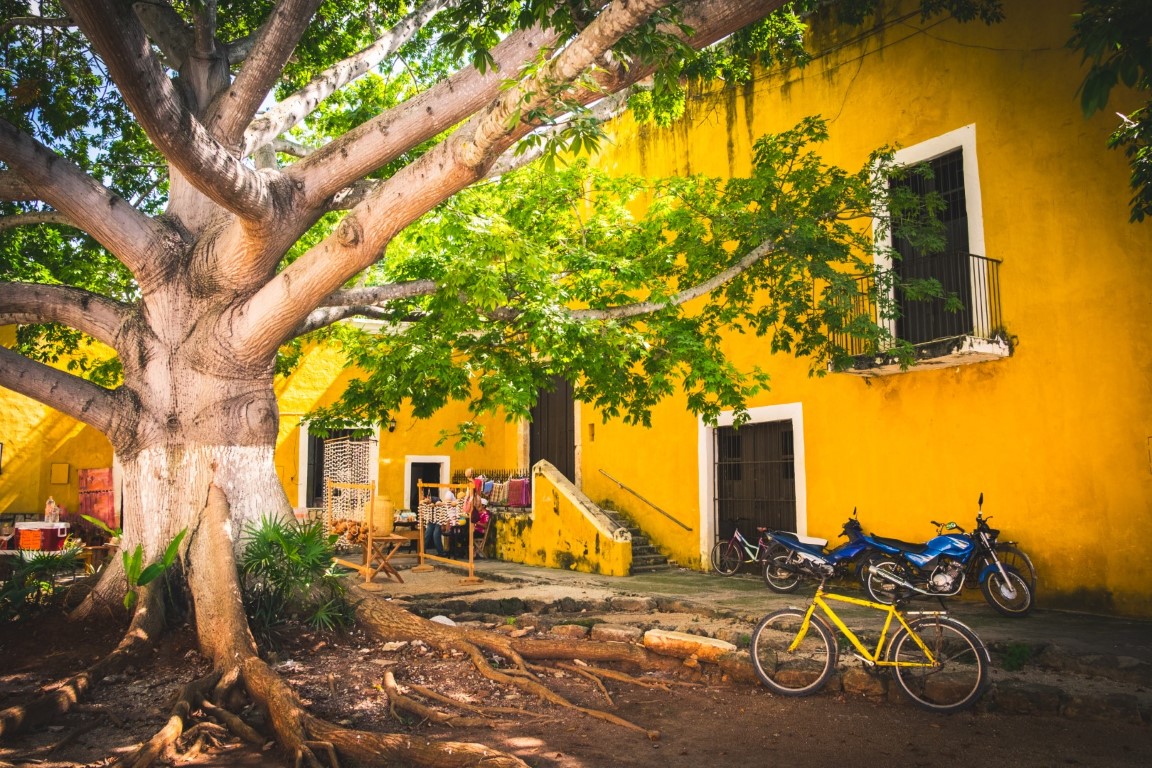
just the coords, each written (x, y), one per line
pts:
(744, 596)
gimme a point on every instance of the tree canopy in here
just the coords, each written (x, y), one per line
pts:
(1115, 37)
(338, 122)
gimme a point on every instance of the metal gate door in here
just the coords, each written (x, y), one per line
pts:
(755, 478)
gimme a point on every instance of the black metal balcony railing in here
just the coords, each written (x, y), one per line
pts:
(970, 305)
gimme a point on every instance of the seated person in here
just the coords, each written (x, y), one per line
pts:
(480, 520)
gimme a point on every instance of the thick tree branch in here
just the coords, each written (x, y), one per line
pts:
(125, 232)
(168, 31)
(97, 316)
(382, 139)
(293, 109)
(41, 22)
(14, 188)
(358, 241)
(118, 36)
(286, 147)
(31, 219)
(274, 44)
(66, 393)
(362, 302)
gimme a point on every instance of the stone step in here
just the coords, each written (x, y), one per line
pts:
(655, 568)
(645, 557)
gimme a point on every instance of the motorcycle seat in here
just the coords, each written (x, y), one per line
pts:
(803, 543)
(903, 546)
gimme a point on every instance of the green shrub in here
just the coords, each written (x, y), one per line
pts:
(287, 574)
(33, 583)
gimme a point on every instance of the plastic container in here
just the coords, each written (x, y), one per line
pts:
(46, 537)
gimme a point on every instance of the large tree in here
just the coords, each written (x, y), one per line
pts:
(198, 185)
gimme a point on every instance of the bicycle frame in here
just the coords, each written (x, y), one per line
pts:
(752, 552)
(820, 600)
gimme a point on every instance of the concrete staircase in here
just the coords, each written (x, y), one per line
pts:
(645, 557)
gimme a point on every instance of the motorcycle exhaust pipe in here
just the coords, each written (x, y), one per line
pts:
(897, 580)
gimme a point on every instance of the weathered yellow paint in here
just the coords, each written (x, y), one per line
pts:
(35, 437)
(1057, 436)
(322, 377)
(563, 529)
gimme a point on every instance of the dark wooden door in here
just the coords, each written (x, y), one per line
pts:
(755, 478)
(552, 433)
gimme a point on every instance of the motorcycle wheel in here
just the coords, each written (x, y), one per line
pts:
(882, 590)
(726, 558)
(862, 566)
(777, 575)
(1013, 556)
(996, 592)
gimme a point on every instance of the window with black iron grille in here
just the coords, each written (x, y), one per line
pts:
(924, 320)
(755, 478)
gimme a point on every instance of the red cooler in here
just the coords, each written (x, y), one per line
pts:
(46, 537)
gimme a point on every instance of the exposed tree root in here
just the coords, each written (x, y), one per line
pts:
(167, 736)
(487, 711)
(147, 622)
(233, 723)
(589, 676)
(401, 701)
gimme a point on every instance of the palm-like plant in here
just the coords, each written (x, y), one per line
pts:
(287, 574)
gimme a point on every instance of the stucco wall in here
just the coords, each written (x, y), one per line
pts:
(563, 529)
(1058, 436)
(35, 437)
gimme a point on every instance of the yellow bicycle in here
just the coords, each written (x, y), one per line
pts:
(937, 662)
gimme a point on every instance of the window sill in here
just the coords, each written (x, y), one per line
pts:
(942, 353)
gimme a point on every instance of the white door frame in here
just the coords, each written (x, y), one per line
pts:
(706, 465)
(444, 460)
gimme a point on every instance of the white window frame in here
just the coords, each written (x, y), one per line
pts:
(963, 139)
(706, 466)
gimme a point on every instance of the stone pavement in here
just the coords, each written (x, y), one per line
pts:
(1056, 662)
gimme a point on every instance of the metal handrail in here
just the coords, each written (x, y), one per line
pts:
(685, 527)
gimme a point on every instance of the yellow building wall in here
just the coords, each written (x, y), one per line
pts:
(320, 379)
(1058, 436)
(36, 437)
(562, 529)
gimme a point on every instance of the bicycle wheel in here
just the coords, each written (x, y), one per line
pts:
(777, 575)
(1010, 554)
(726, 558)
(960, 673)
(1014, 601)
(801, 671)
(879, 588)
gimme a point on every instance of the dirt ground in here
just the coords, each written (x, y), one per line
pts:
(703, 720)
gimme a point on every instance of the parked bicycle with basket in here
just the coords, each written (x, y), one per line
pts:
(937, 662)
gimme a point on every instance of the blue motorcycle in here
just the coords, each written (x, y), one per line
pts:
(939, 567)
(792, 558)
